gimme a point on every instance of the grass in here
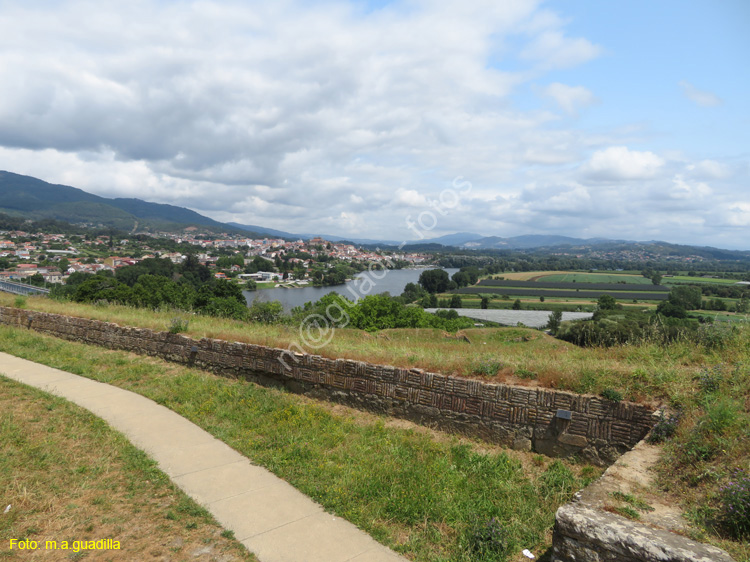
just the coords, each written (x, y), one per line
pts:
(67, 476)
(418, 492)
(714, 433)
(647, 372)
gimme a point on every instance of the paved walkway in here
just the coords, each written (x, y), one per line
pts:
(270, 517)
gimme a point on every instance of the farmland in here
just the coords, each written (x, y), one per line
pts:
(563, 290)
(594, 278)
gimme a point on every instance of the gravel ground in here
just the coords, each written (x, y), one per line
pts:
(530, 318)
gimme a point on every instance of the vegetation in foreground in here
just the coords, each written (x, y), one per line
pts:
(67, 476)
(430, 498)
(707, 449)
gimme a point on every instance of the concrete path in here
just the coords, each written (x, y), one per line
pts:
(270, 517)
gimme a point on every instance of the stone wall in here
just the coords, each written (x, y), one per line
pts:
(547, 421)
(588, 530)
(590, 535)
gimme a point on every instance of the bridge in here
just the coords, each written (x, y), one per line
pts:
(22, 288)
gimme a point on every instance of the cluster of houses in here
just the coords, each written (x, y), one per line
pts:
(53, 248)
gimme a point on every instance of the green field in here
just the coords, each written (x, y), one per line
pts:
(594, 278)
(696, 280)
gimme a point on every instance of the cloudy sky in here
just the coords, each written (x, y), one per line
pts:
(623, 119)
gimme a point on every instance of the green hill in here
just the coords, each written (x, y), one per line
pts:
(36, 199)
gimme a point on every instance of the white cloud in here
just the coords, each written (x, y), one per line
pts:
(409, 198)
(551, 49)
(710, 169)
(309, 116)
(701, 97)
(621, 163)
(570, 98)
(682, 189)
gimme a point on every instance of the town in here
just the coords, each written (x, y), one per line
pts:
(42, 258)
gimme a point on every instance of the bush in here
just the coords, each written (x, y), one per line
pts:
(265, 312)
(735, 500)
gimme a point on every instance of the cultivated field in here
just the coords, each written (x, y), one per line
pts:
(555, 277)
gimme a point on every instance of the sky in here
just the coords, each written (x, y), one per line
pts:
(402, 120)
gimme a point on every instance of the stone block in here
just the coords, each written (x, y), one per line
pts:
(590, 535)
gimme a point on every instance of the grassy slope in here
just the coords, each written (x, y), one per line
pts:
(67, 476)
(410, 490)
(645, 372)
(702, 456)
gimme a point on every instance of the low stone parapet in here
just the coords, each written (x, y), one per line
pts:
(552, 422)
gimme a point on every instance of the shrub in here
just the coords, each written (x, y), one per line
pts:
(735, 499)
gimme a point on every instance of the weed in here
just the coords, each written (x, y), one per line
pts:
(227, 534)
(178, 325)
(710, 379)
(612, 394)
(665, 428)
(525, 373)
(19, 302)
(735, 499)
(488, 538)
(486, 367)
(627, 511)
(637, 503)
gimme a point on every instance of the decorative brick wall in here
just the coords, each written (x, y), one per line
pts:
(547, 421)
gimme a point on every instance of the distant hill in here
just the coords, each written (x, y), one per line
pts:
(36, 199)
(529, 241)
(264, 231)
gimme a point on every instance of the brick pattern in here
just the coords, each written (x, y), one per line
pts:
(512, 415)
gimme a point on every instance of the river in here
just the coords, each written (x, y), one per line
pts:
(366, 283)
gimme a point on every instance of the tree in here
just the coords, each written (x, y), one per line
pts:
(412, 292)
(517, 304)
(485, 302)
(607, 302)
(461, 278)
(656, 278)
(541, 299)
(688, 297)
(456, 301)
(434, 280)
(63, 264)
(555, 319)
(666, 308)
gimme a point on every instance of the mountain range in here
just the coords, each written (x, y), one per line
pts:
(29, 197)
